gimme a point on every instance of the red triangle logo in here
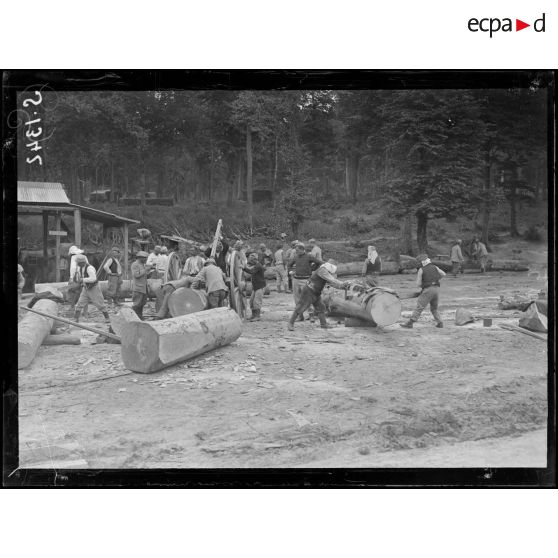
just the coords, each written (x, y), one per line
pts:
(519, 25)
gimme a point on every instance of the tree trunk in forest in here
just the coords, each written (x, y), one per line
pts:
(240, 177)
(486, 200)
(210, 186)
(422, 238)
(513, 212)
(160, 181)
(249, 176)
(407, 234)
(275, 168)
(353, 161)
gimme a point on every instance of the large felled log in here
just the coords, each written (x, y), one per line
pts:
(491, 265)
(151, 346)
(187, 301)
(123, 316)
(32, 330)
(355, 268)
(340, 307)
(62, 339)
(379, 306)
(153, 285)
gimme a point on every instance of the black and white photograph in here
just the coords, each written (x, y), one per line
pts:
(279, 271)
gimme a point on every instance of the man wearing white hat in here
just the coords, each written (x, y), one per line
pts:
(428, 280)
(312, 293)
(91, 291)
(74, 288)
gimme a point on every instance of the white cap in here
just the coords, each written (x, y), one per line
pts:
(74, 251)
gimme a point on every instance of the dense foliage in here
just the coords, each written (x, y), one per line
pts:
(421, 154)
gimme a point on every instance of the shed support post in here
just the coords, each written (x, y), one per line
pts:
(58, 221)
(125, 234)
(44, 273)
(77, 227)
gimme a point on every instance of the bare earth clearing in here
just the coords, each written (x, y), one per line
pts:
(466, 396)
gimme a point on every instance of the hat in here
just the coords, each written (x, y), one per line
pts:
(312, 240)
(262, 245)
(142, 254)
(74, 251)
(164, 249)
(81, 258)
(294, 243)
(238, 244)
(283, 235)
(210, 261)
(422, 257)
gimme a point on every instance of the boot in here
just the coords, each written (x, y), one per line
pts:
(76, 316)
(440, 324)
(138, 311)
(290, 325)
(323, 321)
(256, 316)
(301, 318)
(107, 318)
(408, 325)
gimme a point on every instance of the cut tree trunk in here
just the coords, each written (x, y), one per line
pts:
(122, 317)
(340, 307)
(249, 176)
(422, 239)
(187, 301)
(153, 285)
(61, 339)
(379, 307)
(151, 346)
(32, 330)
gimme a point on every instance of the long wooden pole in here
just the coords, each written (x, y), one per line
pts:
(75, 324)
(522, 330)
(216, 238)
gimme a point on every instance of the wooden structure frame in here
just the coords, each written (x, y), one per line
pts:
(55, 203)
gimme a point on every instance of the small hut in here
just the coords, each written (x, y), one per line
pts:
(62, 225)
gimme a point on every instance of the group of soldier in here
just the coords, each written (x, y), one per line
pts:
(299, 269)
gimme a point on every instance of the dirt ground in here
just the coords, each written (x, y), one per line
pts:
(468, 396)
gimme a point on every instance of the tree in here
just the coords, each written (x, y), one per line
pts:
(437, 138)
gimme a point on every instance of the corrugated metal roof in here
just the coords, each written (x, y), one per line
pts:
(41, 192)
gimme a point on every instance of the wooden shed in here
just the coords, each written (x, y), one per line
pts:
(49, 199)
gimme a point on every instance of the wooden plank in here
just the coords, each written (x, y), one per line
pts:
(151, 346)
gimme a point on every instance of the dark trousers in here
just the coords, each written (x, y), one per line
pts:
(216, 299)
(309, 298)
(138, 302)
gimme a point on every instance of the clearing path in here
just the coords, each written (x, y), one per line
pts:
(467, 396)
